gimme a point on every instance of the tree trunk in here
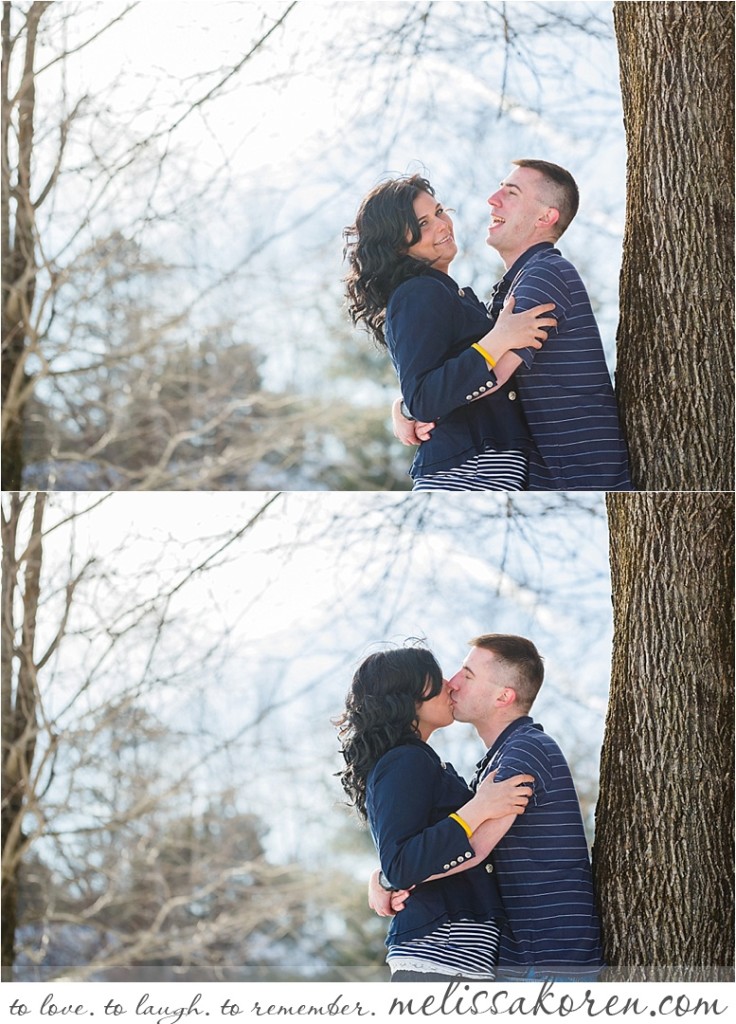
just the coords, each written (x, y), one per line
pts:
(663, 852)
(675, 355)
(18, 247)
(19, 704)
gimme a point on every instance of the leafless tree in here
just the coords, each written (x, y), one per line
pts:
(74, 326)
(136, 868)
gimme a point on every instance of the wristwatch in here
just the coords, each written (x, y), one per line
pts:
(385, 884)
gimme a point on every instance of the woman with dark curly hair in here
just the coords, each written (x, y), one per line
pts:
(399, 252)
(431, 833)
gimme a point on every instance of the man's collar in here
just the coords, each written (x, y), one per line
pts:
(521, 260)
(511, 727)
(501, 738)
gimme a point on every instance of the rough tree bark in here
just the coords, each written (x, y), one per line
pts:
(675, 354)
(18, 244)
(663, 851)
(21, 581)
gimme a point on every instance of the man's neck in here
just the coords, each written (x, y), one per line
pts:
(490, 731)
(510, 257)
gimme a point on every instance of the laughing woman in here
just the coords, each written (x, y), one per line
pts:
(399, 253)
(429, 830)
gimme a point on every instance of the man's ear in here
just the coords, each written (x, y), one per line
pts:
(550, 217)
(507, 695)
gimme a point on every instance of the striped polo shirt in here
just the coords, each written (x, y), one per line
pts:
(565, 387)
(542, 864)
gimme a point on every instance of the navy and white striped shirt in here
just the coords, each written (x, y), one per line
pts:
(542, 864)
(565, 387)
(465, 948)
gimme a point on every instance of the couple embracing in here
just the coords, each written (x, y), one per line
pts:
(482, 881)
(510, 395)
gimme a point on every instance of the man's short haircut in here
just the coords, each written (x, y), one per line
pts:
(562, 191)
(520, 655)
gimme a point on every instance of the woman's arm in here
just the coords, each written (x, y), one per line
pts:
(422, 329)
(486, 820)
(490, 801)
(415, 432)
(517, 330)
(402, 797)
(504, 370)
(388, 902)
(485, 839)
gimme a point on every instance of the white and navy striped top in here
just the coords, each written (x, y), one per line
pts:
(542, 863)
(465, 948)
(565, 387)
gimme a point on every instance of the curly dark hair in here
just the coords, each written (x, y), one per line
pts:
(381, 711)
(376, 249)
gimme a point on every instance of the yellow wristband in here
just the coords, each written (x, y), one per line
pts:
(488, 358)
(463, 824)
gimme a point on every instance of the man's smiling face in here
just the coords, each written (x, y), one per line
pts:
(517, 211)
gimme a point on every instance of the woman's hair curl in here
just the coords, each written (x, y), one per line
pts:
(376, 249)
(381, 711)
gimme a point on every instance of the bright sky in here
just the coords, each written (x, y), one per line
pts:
(296, 138)
(304, 596)
(270, 118)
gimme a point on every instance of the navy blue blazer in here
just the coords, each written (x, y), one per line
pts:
(409, 795)
(430, 325)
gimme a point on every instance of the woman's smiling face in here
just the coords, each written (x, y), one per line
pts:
(437, 244)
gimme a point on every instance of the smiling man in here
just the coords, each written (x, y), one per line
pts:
(565, 388)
